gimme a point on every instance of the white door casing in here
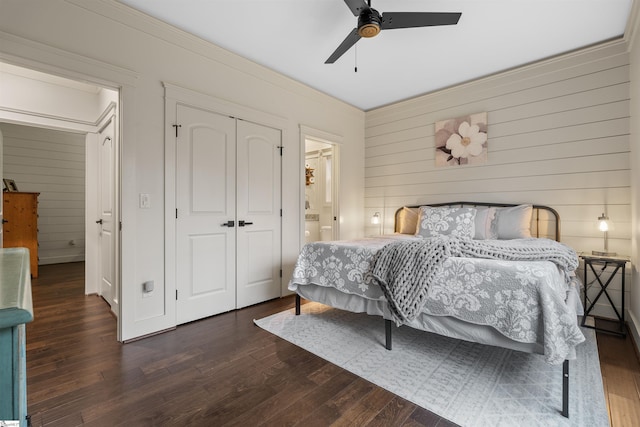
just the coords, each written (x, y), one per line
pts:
(205, 223)
(92, 272)
(335, 141)
(258, 207)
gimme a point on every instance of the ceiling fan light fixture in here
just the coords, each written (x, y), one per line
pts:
(369, 23)
(369, 30)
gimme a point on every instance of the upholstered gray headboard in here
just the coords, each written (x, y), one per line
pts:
(545, 221)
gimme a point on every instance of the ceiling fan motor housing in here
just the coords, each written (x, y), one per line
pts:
(369, 23)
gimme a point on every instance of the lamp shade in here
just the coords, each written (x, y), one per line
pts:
(603, 223)
(375, 219)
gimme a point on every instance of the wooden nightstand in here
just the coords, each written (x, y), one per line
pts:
(619, 263)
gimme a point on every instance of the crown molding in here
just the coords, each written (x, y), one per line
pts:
(584, 55)
(38, 56)
(153, 27)
(52, 121)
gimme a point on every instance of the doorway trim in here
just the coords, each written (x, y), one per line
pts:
(307, 132)
(176, 95)
(47, 59)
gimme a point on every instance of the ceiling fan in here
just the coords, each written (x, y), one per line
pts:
(371, 22)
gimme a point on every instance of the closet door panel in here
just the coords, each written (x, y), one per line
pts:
(209, 171)
(258, 205)
(260, 169)
(205, 200)
(207, 273)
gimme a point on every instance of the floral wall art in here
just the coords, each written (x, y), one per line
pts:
(461, 141)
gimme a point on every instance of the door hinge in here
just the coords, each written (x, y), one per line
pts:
(176, 295)
(120, 225)
(177, 126)
(280, 212)
(176, 213)
(281, 147)
(280, 272)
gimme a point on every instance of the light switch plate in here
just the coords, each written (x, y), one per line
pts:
(145, 201)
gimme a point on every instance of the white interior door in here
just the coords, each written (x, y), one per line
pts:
(107, 227)
(206, 214)
(259, 216)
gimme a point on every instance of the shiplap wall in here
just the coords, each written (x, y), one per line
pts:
(558, 135)
(52, 163)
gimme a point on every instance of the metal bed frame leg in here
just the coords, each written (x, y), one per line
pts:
(297, 305)
(565, 389)
(387, 333)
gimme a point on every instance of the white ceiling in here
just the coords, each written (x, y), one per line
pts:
(295, 37)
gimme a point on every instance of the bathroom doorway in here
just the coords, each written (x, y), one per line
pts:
(320, 195)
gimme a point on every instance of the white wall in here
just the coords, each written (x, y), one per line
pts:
(48, 96)
(634, 45)
(558, 135)
(123, 47)
(52, 163)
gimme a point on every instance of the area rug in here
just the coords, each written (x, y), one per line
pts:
(469, 384)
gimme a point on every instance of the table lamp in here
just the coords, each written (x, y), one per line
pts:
(375, 219)
(603, 225)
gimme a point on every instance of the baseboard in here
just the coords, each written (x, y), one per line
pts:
(60, 259)
(634, 328)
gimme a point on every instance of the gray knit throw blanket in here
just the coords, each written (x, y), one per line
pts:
(405, 269)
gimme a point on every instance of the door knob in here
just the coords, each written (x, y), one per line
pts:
(4, 221)
(243, 223)
(99, 221)
(228, 224)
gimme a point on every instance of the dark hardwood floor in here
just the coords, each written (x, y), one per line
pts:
(219, 371)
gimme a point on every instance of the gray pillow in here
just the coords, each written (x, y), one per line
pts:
(513, 222)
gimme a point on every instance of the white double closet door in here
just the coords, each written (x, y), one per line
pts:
(228, 218)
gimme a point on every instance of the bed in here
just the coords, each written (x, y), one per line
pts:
(489, 273)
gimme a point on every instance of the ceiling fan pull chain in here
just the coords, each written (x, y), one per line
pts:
(356, 59)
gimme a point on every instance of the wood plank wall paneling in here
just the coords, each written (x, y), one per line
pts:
(558, 135)
(52, 163)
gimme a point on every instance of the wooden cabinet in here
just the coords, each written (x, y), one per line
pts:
(21, 226)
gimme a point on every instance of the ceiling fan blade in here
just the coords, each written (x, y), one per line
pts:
(391, 20)
(356, 6)
(351, 39)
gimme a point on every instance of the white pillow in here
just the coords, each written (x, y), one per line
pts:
(433, 221)
(513, 222)
(484, 222)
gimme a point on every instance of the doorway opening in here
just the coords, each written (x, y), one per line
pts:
(320, 195)
(52, 127)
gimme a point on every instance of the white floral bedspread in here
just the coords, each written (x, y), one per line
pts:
(524, 301)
